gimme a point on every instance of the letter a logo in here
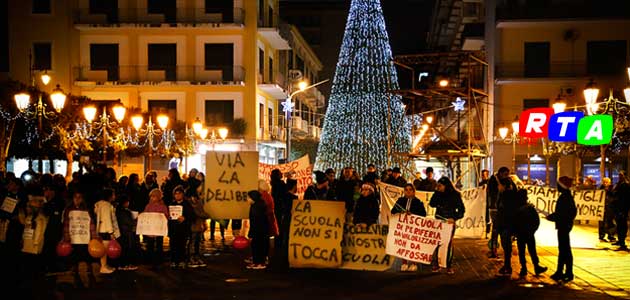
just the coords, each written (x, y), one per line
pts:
(534, 122)
(595, 130)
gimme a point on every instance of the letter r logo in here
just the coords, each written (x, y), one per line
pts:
(534, 122)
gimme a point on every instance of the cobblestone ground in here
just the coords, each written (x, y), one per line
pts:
(600, 274)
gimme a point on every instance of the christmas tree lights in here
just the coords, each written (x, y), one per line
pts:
(355, 131)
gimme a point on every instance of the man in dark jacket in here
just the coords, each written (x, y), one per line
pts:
(563, 216)
(345, 189)
(396, 179)
(492, 195)
(319, 190)
(622, 207)
(507, 207)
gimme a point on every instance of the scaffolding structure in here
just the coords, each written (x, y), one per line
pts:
(457, 136)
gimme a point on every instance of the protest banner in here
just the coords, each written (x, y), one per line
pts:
(316, 233)
(9, 204)
(79, 224)
(152, 224)
(175, 211)
(473, 224)
(415, 238)
(590, 203)
(363, 248)
(301, 167)
(390, 194)
(229, 176)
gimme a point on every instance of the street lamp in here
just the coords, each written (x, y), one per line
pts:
(216, 136)
(287, 108)
(40, 112)
(612, 106)
(513, 138)
(104, 125)
(150, 132)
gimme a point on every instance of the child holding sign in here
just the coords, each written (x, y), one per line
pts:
(181, 213)
(79, 228)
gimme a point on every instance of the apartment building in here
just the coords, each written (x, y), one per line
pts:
(216, 60)
(541, 52)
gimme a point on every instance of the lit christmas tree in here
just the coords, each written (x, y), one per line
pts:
(356, 123)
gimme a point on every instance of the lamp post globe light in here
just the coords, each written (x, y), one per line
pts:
(150, 132)
(103, 125)
(288, 107)
(203, 134)
(512, 138)
(40, 110)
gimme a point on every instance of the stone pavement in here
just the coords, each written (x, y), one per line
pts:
(600, 274)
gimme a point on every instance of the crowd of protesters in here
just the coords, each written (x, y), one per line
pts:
(35, 208)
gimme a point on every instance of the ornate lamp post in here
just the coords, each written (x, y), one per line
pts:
(150, 132)
(104, 125)
(513, 138)
(216, 136)
(40, 110)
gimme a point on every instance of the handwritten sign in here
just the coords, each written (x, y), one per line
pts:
(79, 223)
(152, 224)
(415, 238)
(301, 167)
(316, 233)
(229, 176)
(9, 204)
(175, 211)
(590, 203)
(363, 248)
(473, 224)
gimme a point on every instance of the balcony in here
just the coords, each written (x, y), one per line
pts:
(276, 87)
(276, 36)
(314, 131)
(140, 16)
(561, 69)
(141, 75)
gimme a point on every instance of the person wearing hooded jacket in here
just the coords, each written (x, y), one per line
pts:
(527, 222)
(259, 230)
(563, 216)
(449, 206)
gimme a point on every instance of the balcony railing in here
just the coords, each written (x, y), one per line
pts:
(146, 75)
(554, 69)
(142, 16)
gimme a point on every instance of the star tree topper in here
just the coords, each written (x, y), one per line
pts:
(458, 105)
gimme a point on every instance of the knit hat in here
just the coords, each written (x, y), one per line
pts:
(444, 180)
(565, 182)
(396, 170)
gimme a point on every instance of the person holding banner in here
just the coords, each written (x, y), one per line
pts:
(155, 244)
(449, 207)
(79, 227)
(367, 209)
(409, 204)
(563, 216)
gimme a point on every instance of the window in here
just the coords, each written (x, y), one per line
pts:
(606, 57)
(220, 57)
(167, 107)
(270, 19)
(299, 63)
(261, 12)
(42, 57)
(168, 8)
(535, 103)
(270, 117)
(223, 7)
(261, 62)
(290, 61)
(537, 59)
(219, 112)
(163, 57)
(271, 69)
(104, 57)
(41, 7)
(261, 115)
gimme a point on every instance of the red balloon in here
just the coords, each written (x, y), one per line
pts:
(240, 242)
(64, 249)
(113, 249)
(96, 248)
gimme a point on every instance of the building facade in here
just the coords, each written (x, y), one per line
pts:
(219, 61)
(542, 52)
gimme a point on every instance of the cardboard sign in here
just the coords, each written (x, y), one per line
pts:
(316, 233)
(302, 168)
(79, 222)
(175, 211)
(590, 203)
(415, 238)
(363, 248)
(9, 204)
(229, 176)
(152, 224)
(473, 224)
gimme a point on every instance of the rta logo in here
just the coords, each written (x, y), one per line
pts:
(570, 126)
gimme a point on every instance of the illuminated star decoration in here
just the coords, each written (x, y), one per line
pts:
(287, 106)
(458, 105)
